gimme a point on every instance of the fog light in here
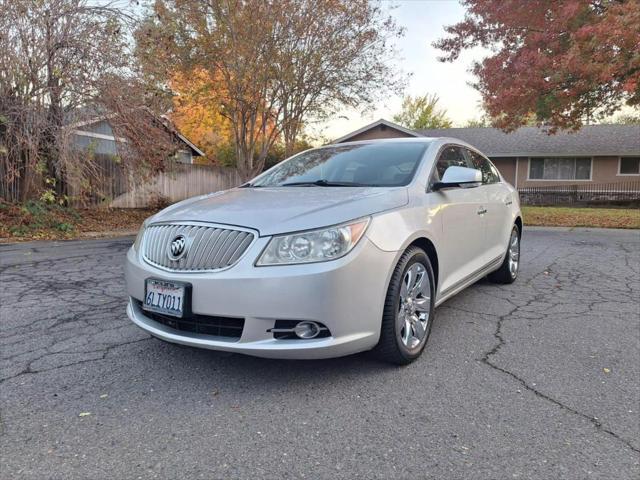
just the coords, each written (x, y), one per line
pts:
(307, 330)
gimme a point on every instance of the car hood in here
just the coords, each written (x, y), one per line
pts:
(285, 209)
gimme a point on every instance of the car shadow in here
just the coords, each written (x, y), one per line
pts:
(179, 361)
(235, 372)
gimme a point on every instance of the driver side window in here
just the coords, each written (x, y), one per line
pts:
(451, 156)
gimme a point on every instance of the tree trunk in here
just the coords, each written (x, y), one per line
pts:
(289, 145)
(290, 134)
(248, 169)
(50, 150)
(55, 119)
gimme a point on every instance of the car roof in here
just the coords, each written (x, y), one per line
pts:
(387, 140)
(425, 140)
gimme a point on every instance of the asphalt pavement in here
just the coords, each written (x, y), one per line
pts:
(539, 379)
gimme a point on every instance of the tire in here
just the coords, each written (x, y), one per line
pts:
(508, 271)
(404, 333)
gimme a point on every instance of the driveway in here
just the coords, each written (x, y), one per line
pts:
(539, 379)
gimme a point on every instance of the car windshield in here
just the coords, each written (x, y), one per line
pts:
(388, 164)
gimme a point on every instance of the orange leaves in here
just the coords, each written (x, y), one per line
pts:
(197, 111)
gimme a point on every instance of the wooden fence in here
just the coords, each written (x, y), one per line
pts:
(182, 181)
(111, 185)
(622, 192)
(16, 183)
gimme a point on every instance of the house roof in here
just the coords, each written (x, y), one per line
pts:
(590, 140)
(196, 151)
(382, 121)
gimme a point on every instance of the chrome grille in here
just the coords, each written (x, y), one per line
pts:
(207, 247)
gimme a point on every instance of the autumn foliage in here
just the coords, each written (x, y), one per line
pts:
(196, 111)
(568, 62)
(278, 64)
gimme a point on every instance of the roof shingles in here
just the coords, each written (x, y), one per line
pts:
(590, 140)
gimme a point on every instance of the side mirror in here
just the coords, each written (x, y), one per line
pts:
(455, 177)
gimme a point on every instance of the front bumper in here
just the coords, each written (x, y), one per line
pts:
(346, 295)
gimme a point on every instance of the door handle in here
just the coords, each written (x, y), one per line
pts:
(482, 211)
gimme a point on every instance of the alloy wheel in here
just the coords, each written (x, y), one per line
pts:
(514, 253)
(414, 307)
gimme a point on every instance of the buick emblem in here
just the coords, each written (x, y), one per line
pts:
(177, 248)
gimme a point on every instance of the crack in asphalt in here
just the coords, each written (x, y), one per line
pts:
(501, 341)
(76, 322)
(103, 354)
(68, 311)
(597, 423)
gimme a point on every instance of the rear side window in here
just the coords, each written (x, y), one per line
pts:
(489, 172)
(451, 156)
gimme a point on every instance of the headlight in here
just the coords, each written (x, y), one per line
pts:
(314, 245)
(136, 243)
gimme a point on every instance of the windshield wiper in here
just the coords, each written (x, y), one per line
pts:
(324, 183)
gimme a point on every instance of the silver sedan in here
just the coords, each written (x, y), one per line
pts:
(337, 250)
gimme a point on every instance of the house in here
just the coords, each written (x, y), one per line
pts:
(94, 132)
(91, 131)
(529, 157)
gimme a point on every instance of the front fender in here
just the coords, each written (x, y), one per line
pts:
(394, 231)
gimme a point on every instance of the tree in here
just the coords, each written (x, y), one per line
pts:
(61, 61)
(50, 54)
(196, 113)
(280, 62)
(482, 122)
(335, 54)
(627, 119)
(422, 112)
(569, 62)
(485, 121)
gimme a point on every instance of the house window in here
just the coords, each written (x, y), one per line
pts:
(629, 166)
(563, 168)
(183, 156)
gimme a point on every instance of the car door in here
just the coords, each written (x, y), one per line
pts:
(497, 206)
(463, 231)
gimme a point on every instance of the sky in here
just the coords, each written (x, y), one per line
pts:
(424, 22)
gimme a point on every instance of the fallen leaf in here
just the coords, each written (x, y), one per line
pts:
(84, 414)
(606, 370)
(104, 395)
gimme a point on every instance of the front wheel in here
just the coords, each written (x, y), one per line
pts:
(408, 309)
(508, 271)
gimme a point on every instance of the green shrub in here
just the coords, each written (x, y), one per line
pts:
(39, 214)
(65, 227)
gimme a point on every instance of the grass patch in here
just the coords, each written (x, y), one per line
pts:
(581, 217)
(36, 220)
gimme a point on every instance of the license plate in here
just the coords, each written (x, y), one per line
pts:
(168, 298)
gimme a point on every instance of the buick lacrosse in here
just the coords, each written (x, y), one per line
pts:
(337, 250)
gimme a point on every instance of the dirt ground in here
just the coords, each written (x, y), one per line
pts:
(38, 221)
